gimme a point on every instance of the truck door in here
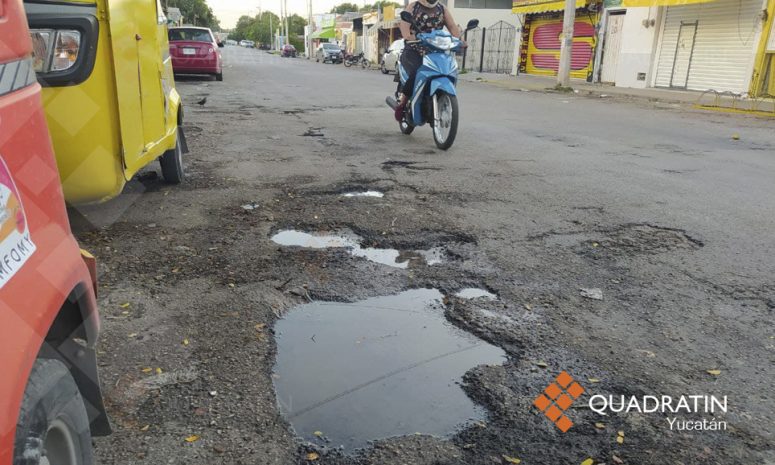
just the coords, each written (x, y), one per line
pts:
(150, 70)
(125, 42)
(137, 60)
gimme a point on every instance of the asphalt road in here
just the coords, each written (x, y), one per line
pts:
(543, 194)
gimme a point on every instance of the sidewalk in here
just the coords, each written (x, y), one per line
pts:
(711, 101)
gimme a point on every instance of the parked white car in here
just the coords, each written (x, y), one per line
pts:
(391, 57)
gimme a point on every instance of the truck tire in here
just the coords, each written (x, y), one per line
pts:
(219, 76)
(53, 427)
(172, 163)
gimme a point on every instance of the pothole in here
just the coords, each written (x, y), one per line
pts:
(364, 194)
(313, 132)
(475, 293)
(625, 240)
(349, 373)
(351, 242)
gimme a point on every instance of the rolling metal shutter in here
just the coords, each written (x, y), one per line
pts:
(709, 45)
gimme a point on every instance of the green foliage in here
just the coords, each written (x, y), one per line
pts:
(378, 5)
(261, 28)
(344, 8)
(196, 12)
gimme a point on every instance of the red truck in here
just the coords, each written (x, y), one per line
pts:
(50, 399)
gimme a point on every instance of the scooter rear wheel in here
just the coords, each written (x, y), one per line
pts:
(445, 129)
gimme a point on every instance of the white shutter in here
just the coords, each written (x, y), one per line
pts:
(723, 46)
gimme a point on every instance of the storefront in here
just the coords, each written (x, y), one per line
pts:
(540, 45)
(764, 74)
(709, 45)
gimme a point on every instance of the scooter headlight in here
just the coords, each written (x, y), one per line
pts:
(442, 43)
(54, 49)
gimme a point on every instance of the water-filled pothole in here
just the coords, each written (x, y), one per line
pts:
(363, 194)
(351, 242)
(475, 293)
(381, 367)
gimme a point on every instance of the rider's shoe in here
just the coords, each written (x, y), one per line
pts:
(399, 113)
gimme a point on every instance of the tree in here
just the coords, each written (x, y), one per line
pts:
(344, 8)
(377, 6)
(261, 29)
(296, 31)
(196, 12)
(240, 31)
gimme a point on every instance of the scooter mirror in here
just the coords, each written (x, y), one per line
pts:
(473, 24)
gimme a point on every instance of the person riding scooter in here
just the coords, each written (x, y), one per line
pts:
(429, 15)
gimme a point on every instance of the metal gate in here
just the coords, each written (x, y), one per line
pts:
(490, 49)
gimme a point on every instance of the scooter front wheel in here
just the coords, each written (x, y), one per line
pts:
(348, 63)
(405, 127)
(445, 119)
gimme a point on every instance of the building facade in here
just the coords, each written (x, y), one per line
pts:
(703, 45)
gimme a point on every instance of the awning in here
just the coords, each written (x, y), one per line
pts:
(327, 33)
(542, 6)
(635, 3)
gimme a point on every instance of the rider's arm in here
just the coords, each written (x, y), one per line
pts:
(406, 28)
(452, 26)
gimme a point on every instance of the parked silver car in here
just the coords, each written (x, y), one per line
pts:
(391, 56)
(329, 52)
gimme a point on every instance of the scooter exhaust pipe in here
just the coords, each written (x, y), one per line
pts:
(391, 101)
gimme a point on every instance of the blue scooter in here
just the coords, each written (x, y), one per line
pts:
(434, 99)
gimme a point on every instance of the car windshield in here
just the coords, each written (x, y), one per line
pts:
(330, 46)
(196, 35)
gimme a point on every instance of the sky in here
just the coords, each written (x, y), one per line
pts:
(229, 11)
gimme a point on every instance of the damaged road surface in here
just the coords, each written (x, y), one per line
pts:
(377, 368)
(625, 245)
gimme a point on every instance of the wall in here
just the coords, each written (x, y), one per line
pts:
(486, 17)
(638, 43)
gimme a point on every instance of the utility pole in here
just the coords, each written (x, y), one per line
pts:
(271, 33)
(287, 32)
(566, 46)
(308, 45)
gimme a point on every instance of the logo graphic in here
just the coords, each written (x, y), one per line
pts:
(16, 246)
(556, 399)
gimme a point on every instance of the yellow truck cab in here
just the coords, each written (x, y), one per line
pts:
(108, 92)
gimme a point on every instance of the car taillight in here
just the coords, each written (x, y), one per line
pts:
(54, 49)
(210, 50)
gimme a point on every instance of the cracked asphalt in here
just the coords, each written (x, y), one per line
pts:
(542, 195)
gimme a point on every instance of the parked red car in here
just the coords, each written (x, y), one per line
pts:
(50, 400)
(194, 50)
(289, 51)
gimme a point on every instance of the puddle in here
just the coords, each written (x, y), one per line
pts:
(381, 367)
(475, 293)
(364, 194)
(351, 242)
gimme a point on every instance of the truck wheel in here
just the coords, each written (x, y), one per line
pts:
(172, 163)
(219, 76)
(53, 427)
